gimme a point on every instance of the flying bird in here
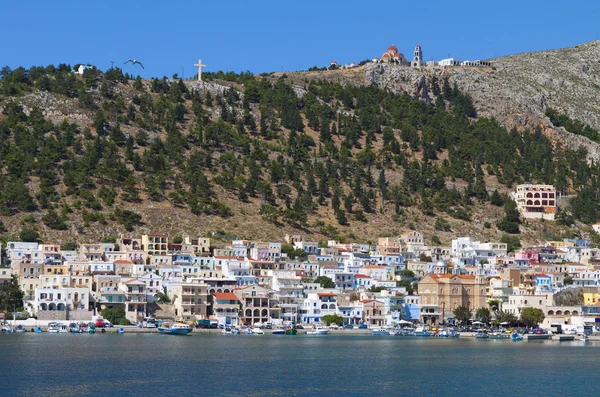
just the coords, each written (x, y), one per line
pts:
(133, 62)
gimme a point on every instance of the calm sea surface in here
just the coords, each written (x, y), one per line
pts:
(215, 365)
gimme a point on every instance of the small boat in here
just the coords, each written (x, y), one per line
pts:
(53, 329)
(175, 329)
(278, 332)
(499, 335)
(291, 331)
(318, 331)
(37, 330)
(121, 330)
(257, 331)
(226, 331)
(19, 329)
(91, 329)
(481, 334)
(74, 328)
(449, 333)
(380, 331)
(235, 331)
(422, 332)
(7, 329)
(516, 337)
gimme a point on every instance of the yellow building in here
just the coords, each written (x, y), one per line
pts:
(155, 244)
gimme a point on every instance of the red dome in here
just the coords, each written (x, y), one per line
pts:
(393, 48)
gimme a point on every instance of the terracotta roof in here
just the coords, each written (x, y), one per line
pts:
(326, 294)
(373, 267)
(225, 296)
(228, 257)
(359, 275)
(122, 262)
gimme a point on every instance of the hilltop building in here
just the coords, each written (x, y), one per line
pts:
(392, 55)
(536, 201)
(418, 57)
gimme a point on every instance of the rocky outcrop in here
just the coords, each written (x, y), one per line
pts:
(518, 88)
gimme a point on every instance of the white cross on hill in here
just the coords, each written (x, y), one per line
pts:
(199, 65)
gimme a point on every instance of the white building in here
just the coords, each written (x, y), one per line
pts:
(536, 201)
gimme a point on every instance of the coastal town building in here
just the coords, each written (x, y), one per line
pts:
(536, 201)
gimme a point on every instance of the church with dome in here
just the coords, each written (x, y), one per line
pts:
(392, 55)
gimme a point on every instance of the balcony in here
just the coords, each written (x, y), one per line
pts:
(138, 299)
(193, 303)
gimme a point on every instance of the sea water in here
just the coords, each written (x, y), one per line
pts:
(269, 365)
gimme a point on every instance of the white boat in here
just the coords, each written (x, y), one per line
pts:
(380, 331)
(53, 329)
(62, 328)
(175, 329)
(499, 335)
(7, 329)
(481, 334)
(317, 331)
(257, 331)
(422, 332)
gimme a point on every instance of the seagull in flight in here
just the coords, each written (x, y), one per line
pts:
(133, 62)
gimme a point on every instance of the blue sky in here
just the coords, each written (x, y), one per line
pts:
(263, 36)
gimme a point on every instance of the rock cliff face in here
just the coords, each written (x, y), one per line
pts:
(518, 88)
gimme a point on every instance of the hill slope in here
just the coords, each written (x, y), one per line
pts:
(351, 154)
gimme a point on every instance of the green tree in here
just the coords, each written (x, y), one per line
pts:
(494, 304)
(29, 235)
(513, 243)
(329, 319)
(505, 317)
(532, 316)
(484, 315)
(162, 297)
(325, 282)
(510, 222)
(11, 296)
(462, 314)
(114, 315)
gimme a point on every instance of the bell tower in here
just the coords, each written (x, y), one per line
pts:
(418, 56)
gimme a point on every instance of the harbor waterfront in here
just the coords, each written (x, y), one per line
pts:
(215, 365)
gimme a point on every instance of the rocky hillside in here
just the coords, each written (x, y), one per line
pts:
(350, 154)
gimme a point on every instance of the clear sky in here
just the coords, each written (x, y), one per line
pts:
(263, 36)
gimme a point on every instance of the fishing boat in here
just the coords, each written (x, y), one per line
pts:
(19, 329)
(278, 332)
(37, 330)
(499, 335)
(516, 337)
(380, 331)
(449, 333)
(7, 329)
(318, 331)
(481, 334)
(53, 328)
(62, 328)
(291, 331)
(422, 332)
(175, 329)
(91, 329)
(74, 328)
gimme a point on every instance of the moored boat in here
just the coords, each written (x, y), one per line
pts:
(317, 331)
(291, 331)
(37, 330)
(499, 335)
(74, 328)
(175, 329)
(516, 337)
(278, 332)
(19, 329)
(257, 331)
(380, 331)
(121, 330)
(481, 334)
(91, 329)
(422, 332)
